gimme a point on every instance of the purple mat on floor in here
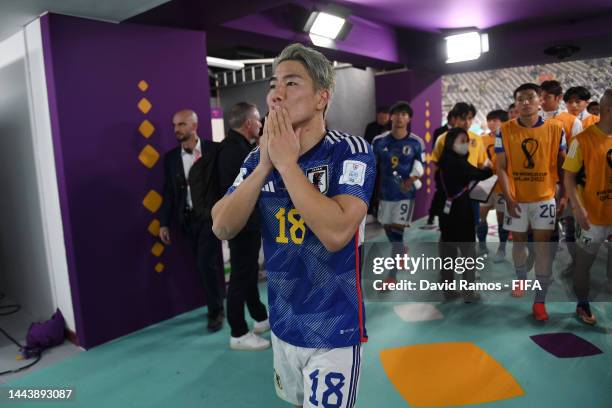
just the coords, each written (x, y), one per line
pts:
(566, 345)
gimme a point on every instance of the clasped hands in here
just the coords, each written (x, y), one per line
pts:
(279, 145)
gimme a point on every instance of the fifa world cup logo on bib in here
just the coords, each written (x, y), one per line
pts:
(529, 147)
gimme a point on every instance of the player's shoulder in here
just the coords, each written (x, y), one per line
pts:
(253, 156)
(381, 138)
(566, 115)
(340, 140)
(417, 139)
(555, 123)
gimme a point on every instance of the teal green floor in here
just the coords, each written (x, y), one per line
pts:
(176, 363)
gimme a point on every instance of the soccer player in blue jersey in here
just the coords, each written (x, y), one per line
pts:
(400, 155)
(312, 189)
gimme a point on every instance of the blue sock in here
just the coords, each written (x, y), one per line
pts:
(503, 236)
(521, 272)
(481, 231)
(540, 296)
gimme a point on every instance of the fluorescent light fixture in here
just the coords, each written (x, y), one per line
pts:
(327, 25)
(256, 61)
(224, 63)
(466, 46)
(320, 41)
(484, 42)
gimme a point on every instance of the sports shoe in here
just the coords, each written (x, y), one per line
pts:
(215, 323)
(539, 312)
(261, 327)
(584, 313)
(249, 342)
(500, 256)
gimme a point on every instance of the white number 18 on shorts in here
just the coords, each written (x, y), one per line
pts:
(311, 377)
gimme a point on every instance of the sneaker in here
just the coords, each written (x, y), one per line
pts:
(500, 256)
(215, 323)
(249, 342)
(583, 312)
(261, 327)
(470, 296)
(539, 312)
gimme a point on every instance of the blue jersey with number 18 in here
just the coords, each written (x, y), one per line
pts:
(314, 295)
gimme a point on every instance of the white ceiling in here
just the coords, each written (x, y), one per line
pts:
(14, 14)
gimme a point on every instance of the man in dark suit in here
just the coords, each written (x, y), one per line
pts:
(380, 125)
(190, 191)
(244, 122)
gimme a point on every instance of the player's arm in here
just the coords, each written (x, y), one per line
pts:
(560, 160)
(572, 165)
(231, 213)
(437, 152)
(504, 182)
(333, 220)
(503, 178)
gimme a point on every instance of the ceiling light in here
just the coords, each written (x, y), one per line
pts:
(326, 25)
(224, 63)
(320, 41)
(466, 46)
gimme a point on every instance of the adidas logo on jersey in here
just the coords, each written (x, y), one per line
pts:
(269, 187)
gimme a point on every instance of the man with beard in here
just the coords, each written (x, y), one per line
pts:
(190, 191)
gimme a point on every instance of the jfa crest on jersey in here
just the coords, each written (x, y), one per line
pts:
(314, 295)
(318, 178)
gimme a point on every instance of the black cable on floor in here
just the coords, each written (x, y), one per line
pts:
(8, 336)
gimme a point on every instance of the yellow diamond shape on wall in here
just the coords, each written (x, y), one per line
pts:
(428, 171)
(143, 86)
(427, 124)
(148, 156)
(427, 103)
(144, 105)
(154, 227)
(428, 190)
(159, 267)
(428, 181)
(427, 113)
(157, 249)
(146, 128)
(152, 201)
(427, 137)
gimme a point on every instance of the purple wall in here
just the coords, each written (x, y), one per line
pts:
(424, 92)
(93, 70)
